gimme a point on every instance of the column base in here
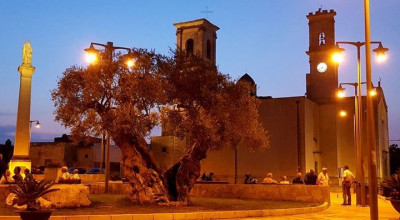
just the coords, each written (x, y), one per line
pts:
(23, 163)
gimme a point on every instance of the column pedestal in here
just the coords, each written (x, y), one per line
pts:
(23, 163)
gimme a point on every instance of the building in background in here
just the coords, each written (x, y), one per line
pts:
(306, 132)
(64, 152)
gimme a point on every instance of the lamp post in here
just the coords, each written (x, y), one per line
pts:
(92, 57)
(371, 139)
(380, 51)
(37, 125)
(357, 135)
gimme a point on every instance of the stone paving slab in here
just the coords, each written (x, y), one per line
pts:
(191, 215)
(337, 211)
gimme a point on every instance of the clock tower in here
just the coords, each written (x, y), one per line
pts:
(322, 81)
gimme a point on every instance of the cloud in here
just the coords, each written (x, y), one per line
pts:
(8, 132)
(7, 114)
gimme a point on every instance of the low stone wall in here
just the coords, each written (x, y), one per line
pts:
(286, 192)
(302, 193)
(290, 192)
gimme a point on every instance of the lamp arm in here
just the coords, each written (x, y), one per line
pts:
(122, 48)
(98, 44)
(358, 43)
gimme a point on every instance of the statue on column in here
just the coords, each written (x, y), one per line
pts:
(27, 54)
(22, 129)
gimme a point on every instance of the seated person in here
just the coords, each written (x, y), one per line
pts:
(17, 175)
(298, 179)
(249, 179)
(65, 176)
(206, 177)
(6, 178)
(28, 175)
(284, 180)
(75, 177)
(269, 180)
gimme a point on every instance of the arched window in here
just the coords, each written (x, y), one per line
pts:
(208, 49)
(189, 46)
(321, 38)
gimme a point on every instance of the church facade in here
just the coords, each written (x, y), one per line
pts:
(306, 132)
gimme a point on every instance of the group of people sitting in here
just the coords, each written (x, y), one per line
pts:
(310, 178)
(66, 177)
(7, 179)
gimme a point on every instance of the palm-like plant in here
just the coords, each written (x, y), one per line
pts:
(27, 192)
(392, 184)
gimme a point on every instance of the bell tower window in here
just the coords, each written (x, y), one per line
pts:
(321, 38)
(189, 46)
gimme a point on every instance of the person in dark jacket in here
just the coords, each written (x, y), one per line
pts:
(311, 178)
(298, 179)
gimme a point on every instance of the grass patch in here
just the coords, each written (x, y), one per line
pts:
(119, 204)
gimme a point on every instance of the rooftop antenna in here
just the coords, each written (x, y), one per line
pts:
(206, 12)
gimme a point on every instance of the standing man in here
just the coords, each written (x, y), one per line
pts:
(323, 178)
(3, 166)
(347, 180)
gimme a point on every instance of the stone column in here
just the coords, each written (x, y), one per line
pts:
(22, 132)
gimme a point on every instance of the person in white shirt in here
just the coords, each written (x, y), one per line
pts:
(65, 176)
(323, 177)
(347, 180)
(75, 175)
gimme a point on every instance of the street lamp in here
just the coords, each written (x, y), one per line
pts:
(343, 113)
(380, 53)
(336, 57)
(92, 57)
(37, 123)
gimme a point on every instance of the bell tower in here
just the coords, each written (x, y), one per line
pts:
(197, 37)
(322, 81)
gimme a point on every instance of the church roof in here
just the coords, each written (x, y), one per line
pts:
(198, 22)
(247, 78)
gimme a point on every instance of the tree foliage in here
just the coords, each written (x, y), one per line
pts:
(187, 93)
(209, 107)
(110, 97)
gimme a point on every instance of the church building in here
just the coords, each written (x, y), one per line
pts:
(306, 132)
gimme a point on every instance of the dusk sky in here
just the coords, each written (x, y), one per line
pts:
(265, 38)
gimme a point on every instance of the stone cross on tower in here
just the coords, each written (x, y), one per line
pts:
(22, 131)
(207, 12)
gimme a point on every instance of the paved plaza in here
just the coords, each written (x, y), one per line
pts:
(337, 211)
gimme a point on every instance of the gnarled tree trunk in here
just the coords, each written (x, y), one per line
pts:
(180, 178)
(140, 168)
